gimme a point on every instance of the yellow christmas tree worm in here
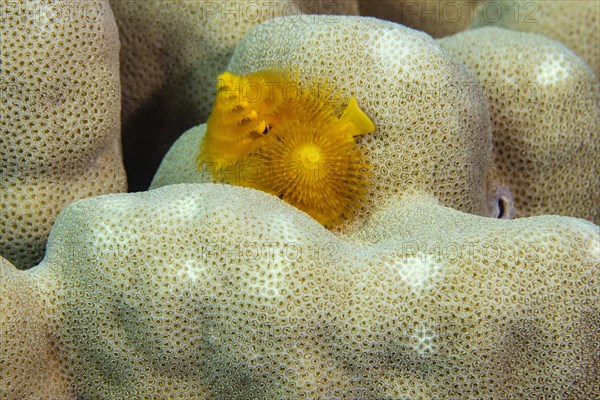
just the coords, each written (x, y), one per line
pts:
(268, 132)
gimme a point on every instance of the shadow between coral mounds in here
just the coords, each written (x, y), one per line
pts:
(148, 135)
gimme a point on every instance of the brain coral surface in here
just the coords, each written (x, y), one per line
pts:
(576, 23)
(433, 129)
(29, 363)
(60, 117)
(178, 293)
(545, 116)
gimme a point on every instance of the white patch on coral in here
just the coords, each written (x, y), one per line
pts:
(417, 270)
(595, 251)
(424, 339)
(381, 48)
(186, 206)
(594, 246)
(552, 70)
(191, 269)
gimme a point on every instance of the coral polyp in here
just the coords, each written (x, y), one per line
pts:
(268, 132)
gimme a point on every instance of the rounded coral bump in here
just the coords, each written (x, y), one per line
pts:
(268, 132)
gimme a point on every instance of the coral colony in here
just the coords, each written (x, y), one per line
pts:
(352, 210)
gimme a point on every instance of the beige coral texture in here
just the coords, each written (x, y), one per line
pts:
(208, 291)
(574, 23)
(60, 120)
(175, 293)
(543, 102)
